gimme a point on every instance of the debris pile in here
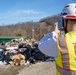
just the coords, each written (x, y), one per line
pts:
(20, 52)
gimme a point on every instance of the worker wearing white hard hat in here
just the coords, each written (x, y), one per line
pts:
(63, 47)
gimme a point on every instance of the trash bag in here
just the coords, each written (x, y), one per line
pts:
(28, 47)
(35, 45)
(22, 45)
(32, 60)
(27, 54)
(7, 58)
(1, 56)
(37, 54)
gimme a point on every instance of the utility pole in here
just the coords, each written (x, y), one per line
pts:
(40, 33)
(33, 32)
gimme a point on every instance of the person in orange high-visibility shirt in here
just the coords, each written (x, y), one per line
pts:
(63, 47)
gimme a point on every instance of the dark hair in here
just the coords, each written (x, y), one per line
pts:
(65, 27)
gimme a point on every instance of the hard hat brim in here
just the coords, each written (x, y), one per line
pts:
(70, 17)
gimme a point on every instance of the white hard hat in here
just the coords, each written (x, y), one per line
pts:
(69, 11)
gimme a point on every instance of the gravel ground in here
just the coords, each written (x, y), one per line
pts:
(10, 70)
(43, 68)
(40, 68)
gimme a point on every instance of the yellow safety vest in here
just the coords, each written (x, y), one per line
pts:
(66, 59)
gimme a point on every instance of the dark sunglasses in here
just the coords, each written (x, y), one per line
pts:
(72, 19)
